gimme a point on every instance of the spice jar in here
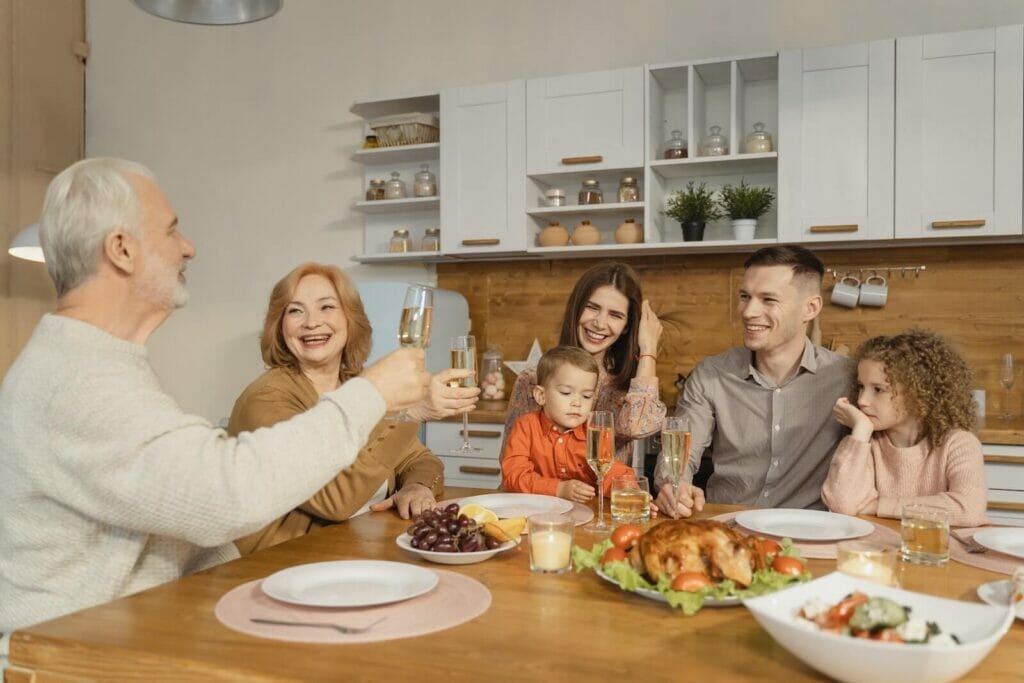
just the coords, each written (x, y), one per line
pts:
(394, 188)
(431, 240)
(376, 190)
(629, 232)
(554, 197)
(585, 234)
(675, 148)
(370, 142)
(628, 191)
(492, 382)
(591, 192)
(424, 184)
(715, 143)
(400, 243)
(554, 235)
(759, 141)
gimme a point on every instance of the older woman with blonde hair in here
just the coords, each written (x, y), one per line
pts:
(316, 336)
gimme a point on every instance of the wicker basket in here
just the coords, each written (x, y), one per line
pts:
(406, 129)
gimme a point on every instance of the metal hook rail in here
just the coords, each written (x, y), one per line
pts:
(904, 271)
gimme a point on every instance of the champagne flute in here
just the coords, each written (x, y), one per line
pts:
(600, 456)
(1006, 377)
(464, 358)
(414, 326)
(675, 450)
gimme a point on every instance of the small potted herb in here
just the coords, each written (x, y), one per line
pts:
(693, 208)
(744, 204)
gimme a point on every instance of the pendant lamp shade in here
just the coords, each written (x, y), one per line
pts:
(25, 245)
(214, 12)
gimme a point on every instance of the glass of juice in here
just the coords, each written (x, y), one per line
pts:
(925, 532)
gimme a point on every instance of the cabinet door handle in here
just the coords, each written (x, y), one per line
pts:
(481, 243)
(472, 469)
(1008, 459)
(834, 228)
(1013, 507)
(480, 433)
(592, 159)
(945, 225)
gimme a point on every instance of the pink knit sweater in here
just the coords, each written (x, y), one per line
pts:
(877, 478)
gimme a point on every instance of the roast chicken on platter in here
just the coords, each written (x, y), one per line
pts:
(703, 546)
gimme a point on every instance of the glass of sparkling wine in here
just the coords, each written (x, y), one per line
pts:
(675, 449)
(925, 532)
(414, 327)
(631, 499)
(464, 358)
(600, 455)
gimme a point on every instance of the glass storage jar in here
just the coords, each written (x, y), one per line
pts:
(591, 193)
(400, 242)
(759, 141)
(424, 184)
(376, 190)
(675, 148)
(492, 382)
(370, 142)
(431, 240)
(715, 143)
(394, 188)
(554, 197)
(628, 191)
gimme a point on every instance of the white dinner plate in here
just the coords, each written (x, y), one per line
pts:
(650, 594)
(349, 583)
(998, 593)
(519, 504)
(452, 558)
(1006, 540)
(804, 525)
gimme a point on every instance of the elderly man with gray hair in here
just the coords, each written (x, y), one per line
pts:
(109, 487)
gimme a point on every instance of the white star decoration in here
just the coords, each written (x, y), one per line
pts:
(517, 366)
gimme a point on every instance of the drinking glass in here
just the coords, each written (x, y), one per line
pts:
(675, 449)
(1006, 377)
(414, 328)
(631, 499)
(550, 540)
(925, 532)
(600, 456)
(464, 358)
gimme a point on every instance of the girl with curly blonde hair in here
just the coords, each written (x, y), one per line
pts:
(910, 416)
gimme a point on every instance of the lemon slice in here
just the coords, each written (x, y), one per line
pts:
(478, 513)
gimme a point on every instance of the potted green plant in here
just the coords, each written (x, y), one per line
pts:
(744, 204)
(693, 208)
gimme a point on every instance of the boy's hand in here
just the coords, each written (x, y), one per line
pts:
(575, 490)
(851, 416)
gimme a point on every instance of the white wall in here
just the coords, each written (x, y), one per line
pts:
(248, 127)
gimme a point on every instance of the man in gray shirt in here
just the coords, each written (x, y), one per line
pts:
(764, 411)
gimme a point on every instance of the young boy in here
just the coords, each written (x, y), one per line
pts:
(546, 450)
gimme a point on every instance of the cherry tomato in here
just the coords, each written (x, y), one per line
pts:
(625, 536)
(842, 612)
(790, 566)
(770, 548)
(888, 635)
(690, 581)
(613, 555)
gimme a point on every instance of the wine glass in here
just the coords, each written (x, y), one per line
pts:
(600, 456)
(414, 326)
(675, 450)
(464, 357)
(1006, 377)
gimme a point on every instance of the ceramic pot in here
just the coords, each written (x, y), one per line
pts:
(585, 235)
(629, 232)
(693, 231)
(554, 235)
(743, 229)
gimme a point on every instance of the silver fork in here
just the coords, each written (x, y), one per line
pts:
(337, 627)
(969, 544)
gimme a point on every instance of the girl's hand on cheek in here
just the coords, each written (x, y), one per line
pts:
(851, 416)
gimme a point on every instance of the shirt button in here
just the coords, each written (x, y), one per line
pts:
(764, 495)
(777, 427)
(563, 470)
(775, 463)
(778, 391)
(560, 440)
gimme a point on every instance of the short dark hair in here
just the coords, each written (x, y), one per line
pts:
(555, 358)
(803, 261)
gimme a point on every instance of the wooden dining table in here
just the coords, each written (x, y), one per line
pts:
(538, 627)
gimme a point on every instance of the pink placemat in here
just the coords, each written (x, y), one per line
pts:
(456, 599)
(991, 560)
(826, 550)
(581, 514)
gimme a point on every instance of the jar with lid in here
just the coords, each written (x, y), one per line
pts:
(554, 235)
(675, 148)
(715, 143)
(585, 234)
(400, 242)
(425, 184)
(376, 190)
(492, 382)
(591, 193)
(431, 240)
(394, 188)
(628, 191)
(554, 197)
(759, 141)
(370, 142)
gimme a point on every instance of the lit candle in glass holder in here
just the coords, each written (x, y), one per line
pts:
(550, 542)
(871, 561)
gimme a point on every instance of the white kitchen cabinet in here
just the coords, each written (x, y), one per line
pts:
(836, 116)
(959, 123)
(585, 122)
(483, 165)
(1004, 470)
(479, 469)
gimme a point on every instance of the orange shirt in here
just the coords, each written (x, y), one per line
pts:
(538, 455)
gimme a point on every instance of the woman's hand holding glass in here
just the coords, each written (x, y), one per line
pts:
(443, 399)
(400, 377)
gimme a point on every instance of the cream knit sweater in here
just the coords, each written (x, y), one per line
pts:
(107, 487)
(877, 478)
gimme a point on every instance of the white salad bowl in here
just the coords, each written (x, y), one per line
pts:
(978, 627)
